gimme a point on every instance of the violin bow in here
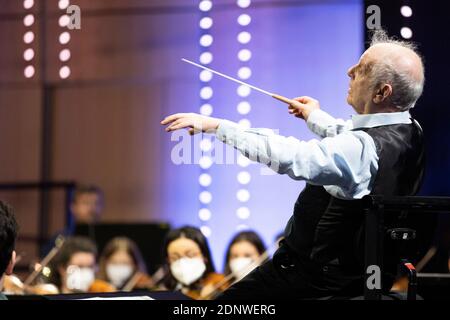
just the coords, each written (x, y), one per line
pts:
(58, 244)
(261, 259)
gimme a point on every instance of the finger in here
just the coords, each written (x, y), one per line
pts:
(296, 104)
(177, 125)
(303, 99)
(169, 119)
(172, 118)
(294, 111)
(181, 125)
(174, 123)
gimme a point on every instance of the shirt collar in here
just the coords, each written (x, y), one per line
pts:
(380, 119)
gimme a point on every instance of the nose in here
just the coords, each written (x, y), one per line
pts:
(350, 72)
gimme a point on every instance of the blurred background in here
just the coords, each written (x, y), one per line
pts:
(84, 106)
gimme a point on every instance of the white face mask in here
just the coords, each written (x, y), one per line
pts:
(188, 270)
(240, 267)
(118, 273)
(79, 279)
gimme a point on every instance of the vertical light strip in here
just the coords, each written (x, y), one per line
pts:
(206, 93)
(64, 39)
(406, 12)
(244, 73)
(28, 39)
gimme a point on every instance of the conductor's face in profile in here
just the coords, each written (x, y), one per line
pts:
(387, 78)
(359, 88)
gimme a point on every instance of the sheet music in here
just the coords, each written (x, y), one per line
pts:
(120, 298)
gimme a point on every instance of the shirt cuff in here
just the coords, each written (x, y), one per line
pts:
(318, 121)
(225, 128)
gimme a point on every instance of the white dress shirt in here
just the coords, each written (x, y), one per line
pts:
(345, 162)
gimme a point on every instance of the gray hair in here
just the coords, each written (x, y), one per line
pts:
(406, 90)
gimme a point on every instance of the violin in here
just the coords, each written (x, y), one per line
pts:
(14, 286)
(229, 280)
(43, 288)
(99, 286)
(139, 280)
(212, 283)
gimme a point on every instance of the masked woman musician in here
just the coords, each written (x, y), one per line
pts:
(122, 265)
(245, 248)
(188, 263)
(245, 252)
(73, 268)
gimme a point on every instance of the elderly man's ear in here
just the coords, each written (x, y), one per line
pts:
(12, 262)
(382, 94)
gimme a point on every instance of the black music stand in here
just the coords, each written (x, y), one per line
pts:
(376, 207)
(148, 236)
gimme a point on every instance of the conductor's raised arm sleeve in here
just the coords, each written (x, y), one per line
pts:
(348, 160)
(324, 125)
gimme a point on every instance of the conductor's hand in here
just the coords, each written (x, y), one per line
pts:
(303, 106)
(195, 123)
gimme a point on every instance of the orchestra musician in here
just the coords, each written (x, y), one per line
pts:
(73, 268)
(245, 248)
(121, 264)
(188, 263)
(245, 252)
(86, 207)
(8, 235)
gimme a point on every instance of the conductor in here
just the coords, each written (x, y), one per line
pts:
(378, 151)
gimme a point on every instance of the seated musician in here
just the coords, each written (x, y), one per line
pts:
(122, 265)
(243, 254)
(188, 264)
(86, 207)
(73, 268)
(8, 235)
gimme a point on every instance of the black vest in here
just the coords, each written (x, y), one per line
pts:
(325, 230)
